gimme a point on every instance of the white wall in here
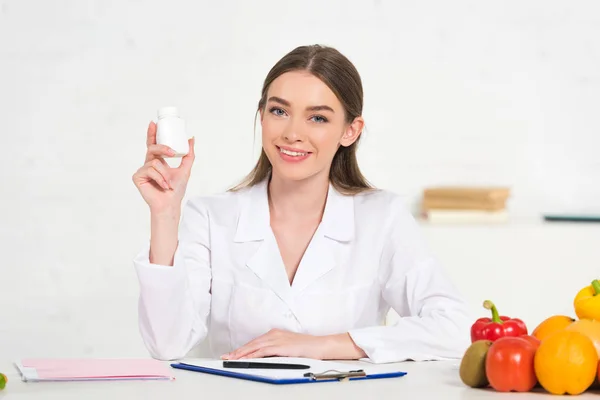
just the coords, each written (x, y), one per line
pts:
(530, 270)
(456, 92)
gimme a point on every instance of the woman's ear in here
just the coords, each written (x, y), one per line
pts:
(352, 132)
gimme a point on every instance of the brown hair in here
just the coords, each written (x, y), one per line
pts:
(337, 72)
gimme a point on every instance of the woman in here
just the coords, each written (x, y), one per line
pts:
(304, 258)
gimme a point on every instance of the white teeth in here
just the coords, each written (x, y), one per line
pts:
(291, 153)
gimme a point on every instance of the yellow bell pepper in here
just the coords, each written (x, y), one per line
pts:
(587, 301)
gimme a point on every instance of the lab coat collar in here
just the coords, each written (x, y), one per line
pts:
(254, 218)
(336, 227)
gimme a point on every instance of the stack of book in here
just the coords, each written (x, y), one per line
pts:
(456, 204)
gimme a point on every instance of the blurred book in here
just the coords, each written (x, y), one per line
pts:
(456, 204)
(466, 216)
(467, 192)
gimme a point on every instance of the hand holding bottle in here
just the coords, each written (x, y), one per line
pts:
(161, 186)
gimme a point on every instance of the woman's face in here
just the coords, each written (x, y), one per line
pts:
(303, 124)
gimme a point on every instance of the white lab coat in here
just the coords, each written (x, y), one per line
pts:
(228, 283)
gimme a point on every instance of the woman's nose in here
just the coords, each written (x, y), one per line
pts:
(294, 131)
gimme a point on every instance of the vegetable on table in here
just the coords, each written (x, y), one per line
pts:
(552, 325)
(587, 301)
(532, 339)
(3, 380)
(497, 326)
(589, 328)
(510, 364)
(566, 363)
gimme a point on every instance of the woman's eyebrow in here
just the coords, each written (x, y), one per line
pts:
(320, 108)
(280, 101)
(311, 108)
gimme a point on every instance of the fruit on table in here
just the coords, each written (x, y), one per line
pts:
(587, 301)
(589, 328)
(566, 363)
(472, 366)
(551, 325)
(510, 364)
(3, 380)
(497, 326)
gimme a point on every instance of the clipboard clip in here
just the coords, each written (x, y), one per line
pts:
(334, 374)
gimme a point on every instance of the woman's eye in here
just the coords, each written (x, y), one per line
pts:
(319, 119)
(277, 111)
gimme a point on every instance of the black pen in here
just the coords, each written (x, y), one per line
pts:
(262, 365)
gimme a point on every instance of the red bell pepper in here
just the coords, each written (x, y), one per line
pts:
(509, 364)
(497, 326)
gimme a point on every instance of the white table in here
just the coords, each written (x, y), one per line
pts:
(430, 380)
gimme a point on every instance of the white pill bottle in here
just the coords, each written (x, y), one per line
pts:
(170, 131)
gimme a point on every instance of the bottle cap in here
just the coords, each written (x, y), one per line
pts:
(168, 112)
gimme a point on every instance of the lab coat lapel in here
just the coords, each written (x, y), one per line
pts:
(254, 229)
(267, 264)
(324, 251)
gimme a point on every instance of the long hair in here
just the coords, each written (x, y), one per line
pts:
(340, 75)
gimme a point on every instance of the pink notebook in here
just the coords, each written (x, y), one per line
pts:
(50, 369)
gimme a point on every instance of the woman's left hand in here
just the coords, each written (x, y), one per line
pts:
(283, 343)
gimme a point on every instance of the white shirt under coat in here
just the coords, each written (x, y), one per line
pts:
(229, 285)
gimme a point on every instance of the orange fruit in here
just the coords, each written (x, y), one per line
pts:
(566, 363)
(589, 328)
(551, 325)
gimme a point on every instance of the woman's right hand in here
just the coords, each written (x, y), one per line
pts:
(161, 186)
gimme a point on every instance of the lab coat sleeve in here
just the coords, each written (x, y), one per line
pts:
(435, 320)
(174, 301)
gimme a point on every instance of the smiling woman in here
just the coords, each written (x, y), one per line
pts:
(303, 258)
(321, 89)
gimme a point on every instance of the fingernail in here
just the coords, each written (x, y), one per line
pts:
(166, 185)
(171, 184)
(171, 152)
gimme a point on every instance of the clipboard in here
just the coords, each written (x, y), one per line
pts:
(308, 377)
